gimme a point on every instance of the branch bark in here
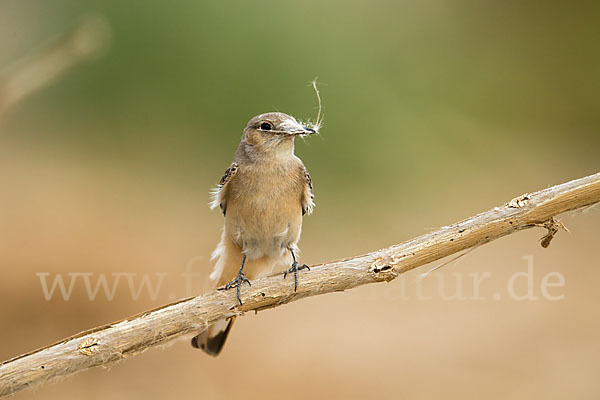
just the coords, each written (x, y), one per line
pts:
(113, 342)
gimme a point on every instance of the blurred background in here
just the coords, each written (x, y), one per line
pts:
(116, 118)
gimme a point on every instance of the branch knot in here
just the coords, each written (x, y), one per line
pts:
(382, 271)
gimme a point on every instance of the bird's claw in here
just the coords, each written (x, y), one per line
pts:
(239, 280)
(295, 268)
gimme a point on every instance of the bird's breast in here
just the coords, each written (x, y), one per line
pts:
(264, 213)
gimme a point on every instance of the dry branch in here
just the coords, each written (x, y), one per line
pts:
(110, 343)
(88, 39)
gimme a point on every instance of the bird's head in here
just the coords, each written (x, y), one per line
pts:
(274, 132)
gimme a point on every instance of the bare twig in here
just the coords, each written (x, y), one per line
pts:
(88, 39)
(110, 343)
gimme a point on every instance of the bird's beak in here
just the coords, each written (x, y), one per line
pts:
(303, 131)
(296, 129)
(308, 131)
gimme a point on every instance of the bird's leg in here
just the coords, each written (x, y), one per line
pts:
(239, 280)
(295, 268)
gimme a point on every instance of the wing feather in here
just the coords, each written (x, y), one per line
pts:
(218, 193)
(308, 195)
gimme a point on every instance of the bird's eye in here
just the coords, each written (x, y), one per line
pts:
(266, 126)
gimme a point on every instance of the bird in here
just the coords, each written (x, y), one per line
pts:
(263, 196)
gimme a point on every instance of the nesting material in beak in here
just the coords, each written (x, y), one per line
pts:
(294, 128)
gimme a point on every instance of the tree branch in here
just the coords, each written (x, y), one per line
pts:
(113, 342)
(89, 38)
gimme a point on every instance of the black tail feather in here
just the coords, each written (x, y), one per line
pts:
(213, 338)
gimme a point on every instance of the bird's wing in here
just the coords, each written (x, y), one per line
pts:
(218, 193)
(307, 195)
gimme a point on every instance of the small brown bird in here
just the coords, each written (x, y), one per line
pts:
(263, 196)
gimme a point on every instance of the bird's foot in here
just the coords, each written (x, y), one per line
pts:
(236, 283)
(295, 268)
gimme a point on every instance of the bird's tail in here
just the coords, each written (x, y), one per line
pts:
(228, 259)
(213, 338)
